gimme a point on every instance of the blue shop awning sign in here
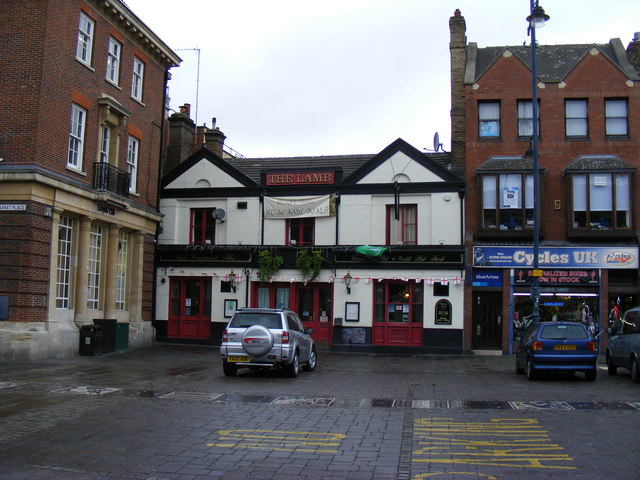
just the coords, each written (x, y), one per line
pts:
(556, 257)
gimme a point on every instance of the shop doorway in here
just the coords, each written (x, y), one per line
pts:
(314, 307)
(399, 314)
(487, 321)
(190, 308)
(313, 303)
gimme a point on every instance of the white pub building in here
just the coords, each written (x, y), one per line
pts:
(368, 249)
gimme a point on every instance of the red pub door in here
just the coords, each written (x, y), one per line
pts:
(398, 314)
(190, 308)
(314, 307)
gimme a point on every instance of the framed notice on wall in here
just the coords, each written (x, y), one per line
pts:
(352, 311)
(230, 306)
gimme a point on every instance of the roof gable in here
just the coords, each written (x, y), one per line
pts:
(403, 163)
(205, 169)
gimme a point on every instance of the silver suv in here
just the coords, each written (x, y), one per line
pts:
(267, 337)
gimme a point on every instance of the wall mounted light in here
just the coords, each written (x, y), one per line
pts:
(347, 282)
(232, 281)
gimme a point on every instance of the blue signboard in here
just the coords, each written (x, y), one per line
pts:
(487, 278)
(556, 257)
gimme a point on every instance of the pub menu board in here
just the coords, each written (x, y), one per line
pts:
(443, 312)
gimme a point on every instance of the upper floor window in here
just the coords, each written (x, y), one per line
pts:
(85, 39)
(132, 162)
(301, 231)
(203, 226)
(489, 119)
(105, 144)
(138, 79)
(402, 226)
(507, 201)
(616, 122)
(113, 60)
(76, 137)
(575, 112)
(525, 118)
(601, 201)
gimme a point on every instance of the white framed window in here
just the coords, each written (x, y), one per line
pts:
(138, 79)
(105, 142)
(94, 267)
(121, 271)
(575, 112)
(113, 60)
(63, 271)
(85, 39)
(76, 137)
(525, 118)
(132, 162)
(489, 119)
(615, 111)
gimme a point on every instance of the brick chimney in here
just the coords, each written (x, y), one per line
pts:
(633, 52)
(181, 138)
(458, 52)
(214, 139)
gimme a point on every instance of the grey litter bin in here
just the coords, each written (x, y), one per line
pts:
(91, 340)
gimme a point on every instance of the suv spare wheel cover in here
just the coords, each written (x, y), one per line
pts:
(257, 340)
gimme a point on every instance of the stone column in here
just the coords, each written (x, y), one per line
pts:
(111, 271)
(82, 273)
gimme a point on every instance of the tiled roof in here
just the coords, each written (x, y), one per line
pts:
(553, 62)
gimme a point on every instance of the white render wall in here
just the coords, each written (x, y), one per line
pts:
(362, 288)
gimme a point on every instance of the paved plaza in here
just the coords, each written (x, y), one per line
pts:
(167, 412)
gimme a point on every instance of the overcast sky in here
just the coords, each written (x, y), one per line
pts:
(330, 77)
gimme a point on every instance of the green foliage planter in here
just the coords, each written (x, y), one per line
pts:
(268, 264)
(309, 263)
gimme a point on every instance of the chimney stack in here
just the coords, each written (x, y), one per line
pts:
(214, 139)
(181, 138)
(633, 52)
(458, 52)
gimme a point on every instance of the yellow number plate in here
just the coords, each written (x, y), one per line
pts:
(564, 347)
(238, 358)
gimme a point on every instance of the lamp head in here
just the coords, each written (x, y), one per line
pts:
(537, 17)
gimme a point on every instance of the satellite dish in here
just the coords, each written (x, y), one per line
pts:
(218, 213)
(436, 142)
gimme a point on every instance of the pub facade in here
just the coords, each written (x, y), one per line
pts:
(368, 249)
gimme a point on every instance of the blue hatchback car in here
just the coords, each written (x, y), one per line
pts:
(559, 347)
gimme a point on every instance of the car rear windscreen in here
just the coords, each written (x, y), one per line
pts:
(561, 332)
(267, 320)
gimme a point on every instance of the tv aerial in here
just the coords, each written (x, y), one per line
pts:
(218, 214)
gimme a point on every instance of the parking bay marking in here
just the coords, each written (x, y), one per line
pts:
(279, 440)
(498, 442)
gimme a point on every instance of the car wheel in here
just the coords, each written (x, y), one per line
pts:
(591, 374)
(310, 366)
(229, 369)
(294, 367)
(611, 368)
(531, 373)
(635, 370)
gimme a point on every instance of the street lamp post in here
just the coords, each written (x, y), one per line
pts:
(536, 19)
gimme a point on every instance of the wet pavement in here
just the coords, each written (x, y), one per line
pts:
(167, 412)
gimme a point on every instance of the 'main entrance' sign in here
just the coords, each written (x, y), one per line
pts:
(300, 178)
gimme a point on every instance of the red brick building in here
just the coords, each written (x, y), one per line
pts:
(83, 90)
(589, 154)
